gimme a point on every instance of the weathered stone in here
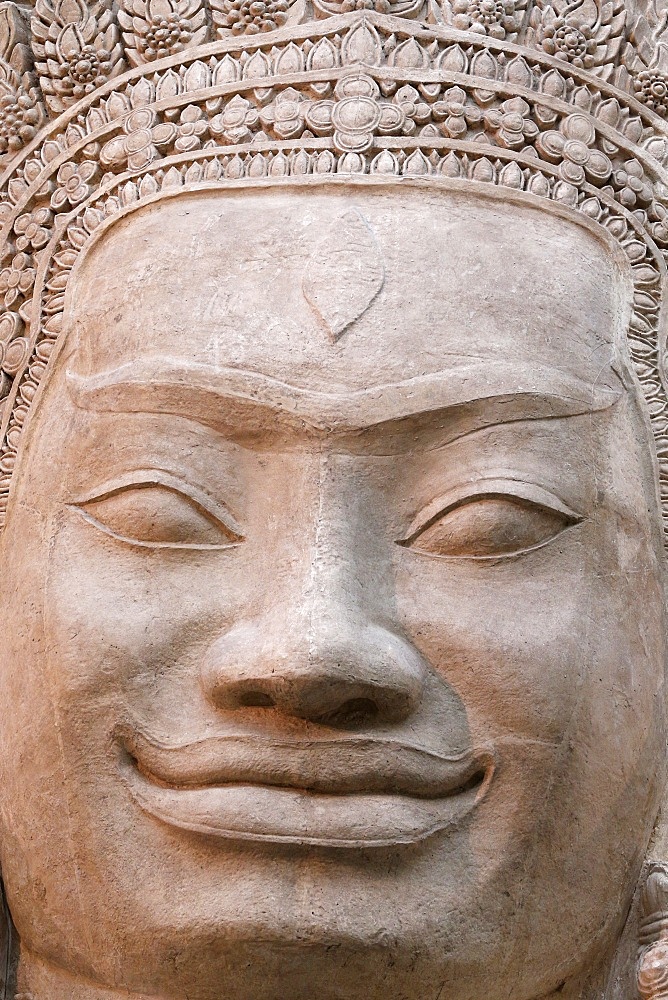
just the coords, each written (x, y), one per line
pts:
(333, 501)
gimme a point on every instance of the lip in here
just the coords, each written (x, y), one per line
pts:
(350, 792)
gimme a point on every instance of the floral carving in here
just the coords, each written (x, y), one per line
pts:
(143, 139)
(286, 114)
(153, 29)
(572, 148)
(234, 123)
(632, 185)
(358, 113)
(416, 110)
(32, 229)
(380, 6)
(582, 33)
(17, 278)
(14, 355)
(76, 49)
(566, 40)
(316, 86)
(496, 18)
(14, 349)
(73, 183)
(248, 17)
(399, 8)
(659, 224)
(651, 87)
(21, 110)
(512, 124)
(456, 113)
(192, 126)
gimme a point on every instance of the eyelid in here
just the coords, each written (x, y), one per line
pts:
(482, 490)
(158, 477)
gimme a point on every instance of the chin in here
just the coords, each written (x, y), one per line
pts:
(330, 940)
(253, 962)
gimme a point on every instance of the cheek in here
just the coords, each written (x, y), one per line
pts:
(561, 667)
(524, 641)
(128, 631)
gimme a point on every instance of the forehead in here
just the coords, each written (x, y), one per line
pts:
(351, 287)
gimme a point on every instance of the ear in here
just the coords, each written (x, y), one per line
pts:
(9, 950)
(640, 962)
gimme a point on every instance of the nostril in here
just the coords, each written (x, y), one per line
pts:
(255, 699)
(350, 714)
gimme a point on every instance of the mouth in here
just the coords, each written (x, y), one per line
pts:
(346, 792)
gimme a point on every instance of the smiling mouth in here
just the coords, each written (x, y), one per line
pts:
(347, 792)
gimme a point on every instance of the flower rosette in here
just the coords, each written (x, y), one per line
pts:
(632, 185)
(572, 147)
(356, 116)
(512, 124)
(651, 87)
(286, 114)
(191, 129)
(236, 122)
(32, 229)
(495, 18)
(17, 278)
(456, 113)
(144, 137)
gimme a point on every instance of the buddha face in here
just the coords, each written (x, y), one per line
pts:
(334, 576)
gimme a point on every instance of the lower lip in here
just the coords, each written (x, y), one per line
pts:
(295, 816)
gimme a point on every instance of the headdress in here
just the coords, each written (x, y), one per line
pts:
(105, 106)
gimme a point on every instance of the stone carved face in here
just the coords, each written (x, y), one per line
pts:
(338, 626)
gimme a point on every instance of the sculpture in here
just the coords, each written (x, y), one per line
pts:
(334, 499)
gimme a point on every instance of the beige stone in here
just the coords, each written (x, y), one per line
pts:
(333, 498)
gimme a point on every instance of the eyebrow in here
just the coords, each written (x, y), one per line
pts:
(250, 403)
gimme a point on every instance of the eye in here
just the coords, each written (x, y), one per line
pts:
(158, 515)
(490, 525)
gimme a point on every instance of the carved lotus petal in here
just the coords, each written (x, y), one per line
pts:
(70, 11)
(10, 327)
(323, 55)
(345, 273)
(69, 42)
(16, 355)
(162, 134)
(579, 128)
(113, 153)
(361, 45)
(319, 117)
(391, 118)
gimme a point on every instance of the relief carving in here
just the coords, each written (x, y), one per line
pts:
(345, 273)
(653, 936)
(333, 499)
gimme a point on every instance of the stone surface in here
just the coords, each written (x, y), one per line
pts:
(333, 502)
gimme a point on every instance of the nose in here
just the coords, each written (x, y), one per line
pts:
(340, 671)
(324, 644)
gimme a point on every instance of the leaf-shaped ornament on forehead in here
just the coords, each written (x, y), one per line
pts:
(345, 273)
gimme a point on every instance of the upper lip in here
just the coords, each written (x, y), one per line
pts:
(340, 766)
